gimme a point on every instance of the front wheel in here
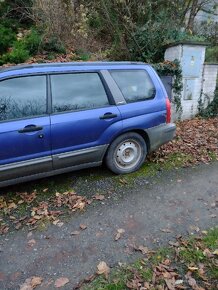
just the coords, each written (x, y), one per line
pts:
(126, 154)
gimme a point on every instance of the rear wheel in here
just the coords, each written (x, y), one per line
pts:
(126, 154)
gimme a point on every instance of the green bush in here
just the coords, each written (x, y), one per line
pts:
(7, 37)
(212, 54)
(212, 108)
(19, 54)
(33, 41)
(151, 39)
(53, 44)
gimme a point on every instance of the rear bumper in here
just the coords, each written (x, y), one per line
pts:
(160, 135)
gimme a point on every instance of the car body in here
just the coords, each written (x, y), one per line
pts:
(59, 117)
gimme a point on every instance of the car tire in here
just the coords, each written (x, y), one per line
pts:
(126, 154)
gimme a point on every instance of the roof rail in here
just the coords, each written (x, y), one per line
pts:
(60, 64)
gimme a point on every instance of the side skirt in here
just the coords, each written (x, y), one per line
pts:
(48, 174)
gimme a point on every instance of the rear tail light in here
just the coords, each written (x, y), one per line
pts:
(168, 107)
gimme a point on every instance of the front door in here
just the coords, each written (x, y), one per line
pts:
(24, 127)
(83, 119)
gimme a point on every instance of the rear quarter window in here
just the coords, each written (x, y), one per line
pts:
(135, 85)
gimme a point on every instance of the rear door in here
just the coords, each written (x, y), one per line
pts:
(84, 119)
(24, 127)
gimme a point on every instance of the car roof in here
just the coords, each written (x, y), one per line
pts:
(65, 66)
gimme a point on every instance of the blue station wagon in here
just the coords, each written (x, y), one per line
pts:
(59, 117)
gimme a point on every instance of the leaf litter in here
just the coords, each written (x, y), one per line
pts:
(196, 138)
(177, 267)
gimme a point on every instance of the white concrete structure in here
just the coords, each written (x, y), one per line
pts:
(199, 79)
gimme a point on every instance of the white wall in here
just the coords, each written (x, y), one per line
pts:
(199, 79)
(209, 82)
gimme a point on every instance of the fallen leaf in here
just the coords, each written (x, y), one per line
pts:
(83, 227)
(99, 197)
(215, 252)
(193, 269)
(166, 230)
(90, 278)
(143, 249)
(45, 189)
(35, 281)
(170, 283)
(31, 243)
(4, 229)
(31, 283)
(75, 233)
(102, 268)
(37, 217)
(60, 282)
(123, 181)
(18, 226)
(166, 262)
(12, 206)
(204, 232)
(80, 205)
(178, 282)
(119, 233)
(207, 253)
(174, 244)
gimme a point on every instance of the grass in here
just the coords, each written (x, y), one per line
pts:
(65, 182)
(177, 259)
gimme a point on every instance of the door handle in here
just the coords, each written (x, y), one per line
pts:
(30, 128)
(108, 116)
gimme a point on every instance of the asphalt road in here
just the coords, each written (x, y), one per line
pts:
(151, 213)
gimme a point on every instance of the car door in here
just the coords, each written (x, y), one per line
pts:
(24, 127)
(84, 119)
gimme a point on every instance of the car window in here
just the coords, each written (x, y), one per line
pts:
(77, 91)
(135, 85)
(22, 97)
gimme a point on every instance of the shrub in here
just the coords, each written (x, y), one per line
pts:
(53, 44)
(7, 36)
(212, 108)
(33, 41)
(19, 54)
(212, 54)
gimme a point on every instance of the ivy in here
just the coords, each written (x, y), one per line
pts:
(212, 109)
(172, 68)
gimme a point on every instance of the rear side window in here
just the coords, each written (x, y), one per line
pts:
(78, 91)
(135, 85)
(22, 97)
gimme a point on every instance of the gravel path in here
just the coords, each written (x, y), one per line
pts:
(151, 213)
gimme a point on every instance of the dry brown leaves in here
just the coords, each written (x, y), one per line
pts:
(167, 274)
(40, 211)
(103, 269)
(60, 282)
(119, 234)
(31, 283)
(196, 138)
(71, 200)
